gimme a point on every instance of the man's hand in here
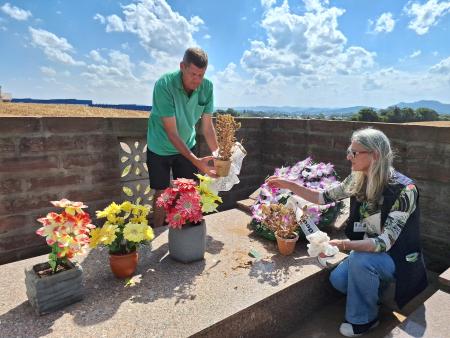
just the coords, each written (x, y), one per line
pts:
(202, 164)
(278, 182)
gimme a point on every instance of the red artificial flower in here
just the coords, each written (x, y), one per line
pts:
(185, 184)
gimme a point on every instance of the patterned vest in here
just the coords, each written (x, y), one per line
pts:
(411, 277)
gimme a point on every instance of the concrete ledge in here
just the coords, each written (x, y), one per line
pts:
(229, 293)
(431, 319)
(444, 281)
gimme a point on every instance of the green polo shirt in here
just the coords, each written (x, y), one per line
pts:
(170, 99)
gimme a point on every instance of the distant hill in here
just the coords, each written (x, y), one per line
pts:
(301, 110)
(441, 108)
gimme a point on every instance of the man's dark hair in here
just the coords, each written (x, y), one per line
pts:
(196, 56)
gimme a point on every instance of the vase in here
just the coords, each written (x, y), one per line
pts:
(48, 293)
(286, 246)
(188, 244)
(123, 265)
(222, 167)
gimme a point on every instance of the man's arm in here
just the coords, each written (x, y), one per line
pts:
(170, 126)
(209, 132)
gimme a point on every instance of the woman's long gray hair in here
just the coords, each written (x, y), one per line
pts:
(371, 187)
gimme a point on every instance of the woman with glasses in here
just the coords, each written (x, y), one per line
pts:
(383, 231)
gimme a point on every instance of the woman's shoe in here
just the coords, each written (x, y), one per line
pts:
(354, 330)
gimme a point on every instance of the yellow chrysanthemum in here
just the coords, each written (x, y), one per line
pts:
(148, 233)
(133, 232)
(112, 218)
(95, 237)
(126, 206)
(108, 234)
(113, 208)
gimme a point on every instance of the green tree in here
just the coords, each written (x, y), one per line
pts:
(366, 114)
(426, 114)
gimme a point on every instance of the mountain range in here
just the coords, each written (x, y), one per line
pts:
(441, 108)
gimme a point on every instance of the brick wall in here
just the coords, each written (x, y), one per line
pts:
(42, 159)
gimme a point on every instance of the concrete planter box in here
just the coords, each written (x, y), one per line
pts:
(50, 293)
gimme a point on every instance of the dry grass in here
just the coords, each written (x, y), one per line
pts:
(432, 123)
(8, 109)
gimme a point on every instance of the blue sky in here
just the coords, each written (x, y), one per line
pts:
(321, 53)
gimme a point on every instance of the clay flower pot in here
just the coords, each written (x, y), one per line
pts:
(123, 265)
(222, 167)
(286, 246)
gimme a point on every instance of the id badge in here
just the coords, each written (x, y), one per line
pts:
(359, 227)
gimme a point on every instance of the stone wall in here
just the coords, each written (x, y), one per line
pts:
(43, 159)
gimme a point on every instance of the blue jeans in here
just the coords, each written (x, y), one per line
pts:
(360, 276)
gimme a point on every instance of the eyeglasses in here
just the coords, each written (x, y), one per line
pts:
(352, 154)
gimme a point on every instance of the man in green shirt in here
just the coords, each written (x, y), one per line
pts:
(180, 100)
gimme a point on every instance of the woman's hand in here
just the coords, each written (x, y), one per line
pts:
(277, 182)
(341, 244)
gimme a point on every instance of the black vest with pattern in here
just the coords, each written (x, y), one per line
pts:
(411, 277)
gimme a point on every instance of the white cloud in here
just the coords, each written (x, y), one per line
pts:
(299, 45)
(95, 55)
(426, 15)
(371, 84)
(48, 71)
(267, 3)
(100, 18)
(15, 12)
(206, 36)
(56, 48)
(443, 67)
(415, 54)
(114, 24)
(385, 23)
(158, 27)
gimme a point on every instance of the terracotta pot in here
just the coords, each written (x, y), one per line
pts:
(286, 246)
(222, 167)
(123, 265)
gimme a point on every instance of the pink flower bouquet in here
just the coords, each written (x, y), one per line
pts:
(187, 201)
(318, 176)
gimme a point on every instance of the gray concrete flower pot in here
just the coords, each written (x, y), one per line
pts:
(188, 244)
(50, 293)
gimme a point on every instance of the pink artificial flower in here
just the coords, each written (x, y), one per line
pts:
(175, 220)
(185, 184)
(166, 199)
(188, 204)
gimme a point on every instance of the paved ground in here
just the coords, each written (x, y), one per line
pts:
(171, 299)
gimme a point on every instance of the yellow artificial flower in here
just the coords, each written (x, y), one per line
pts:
(113, 208)
(148, 233)
(111, 218)
(126, 206)
(108, 234)
(95, 237)
(133, 232)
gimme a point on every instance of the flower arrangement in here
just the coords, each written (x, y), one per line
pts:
(126, 227)
(67, 233)
(187, 201)
(318, 176)
(226, 128)
(280, 220)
